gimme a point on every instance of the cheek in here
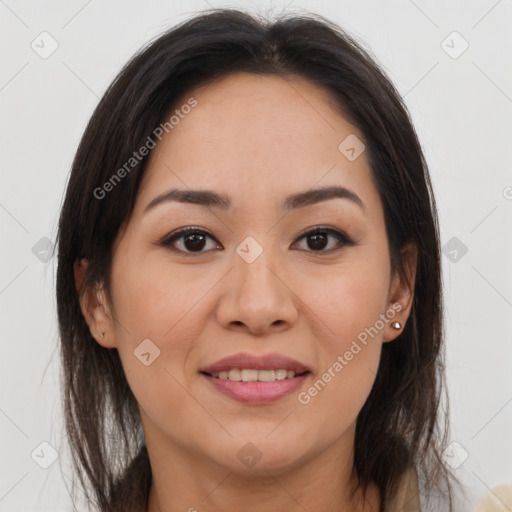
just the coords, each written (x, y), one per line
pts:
(154, 305)
(346, 312)
(155, 301)
(347, 304)
(347, 300)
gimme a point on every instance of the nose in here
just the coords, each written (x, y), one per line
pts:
(257, 297)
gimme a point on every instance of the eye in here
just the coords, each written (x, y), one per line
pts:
(190, 240)
(318, 239)
(194, 240)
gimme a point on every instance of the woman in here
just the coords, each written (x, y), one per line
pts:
(248, 283)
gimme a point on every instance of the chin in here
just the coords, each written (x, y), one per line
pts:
(260, 456)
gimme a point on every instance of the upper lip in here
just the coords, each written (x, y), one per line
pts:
(249, 361)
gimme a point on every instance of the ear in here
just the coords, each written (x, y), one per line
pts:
(401, 293)
(94, 306)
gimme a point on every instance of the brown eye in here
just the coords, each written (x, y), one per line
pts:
(194, 241)
(318, 239)
(189, 240)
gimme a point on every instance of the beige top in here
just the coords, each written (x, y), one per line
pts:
(407, 498)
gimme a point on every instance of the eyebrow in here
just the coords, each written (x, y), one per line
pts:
(209, 198)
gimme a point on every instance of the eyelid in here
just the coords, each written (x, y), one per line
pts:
(179, 233)
(338, 233)
(342, 237)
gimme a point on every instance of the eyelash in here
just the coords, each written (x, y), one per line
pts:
(343, 239)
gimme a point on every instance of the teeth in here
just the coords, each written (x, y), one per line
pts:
(234, 374)
(248, 375)
(281, 374)
(266, 375)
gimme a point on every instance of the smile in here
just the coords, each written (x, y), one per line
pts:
(256, 379)
(250, 375)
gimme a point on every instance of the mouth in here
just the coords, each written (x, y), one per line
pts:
(252, 375)
(256, 379)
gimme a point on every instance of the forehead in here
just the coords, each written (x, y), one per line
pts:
(257, 135)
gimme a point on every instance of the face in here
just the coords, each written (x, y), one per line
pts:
(270, 276)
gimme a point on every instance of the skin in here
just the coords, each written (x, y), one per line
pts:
(200, 307)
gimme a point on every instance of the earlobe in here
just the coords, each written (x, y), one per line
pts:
(94, 306)
(402, 294)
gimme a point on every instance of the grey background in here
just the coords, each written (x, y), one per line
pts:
(462, 110)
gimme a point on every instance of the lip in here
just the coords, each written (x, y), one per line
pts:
(249, 361)
(257, 392)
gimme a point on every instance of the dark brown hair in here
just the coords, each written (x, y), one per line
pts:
(400, 425)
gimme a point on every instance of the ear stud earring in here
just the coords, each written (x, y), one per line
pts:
(396, 325)
(102, 335)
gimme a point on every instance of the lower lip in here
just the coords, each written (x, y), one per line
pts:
(257, 392)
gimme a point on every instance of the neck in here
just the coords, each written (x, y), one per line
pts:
(183, 481)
